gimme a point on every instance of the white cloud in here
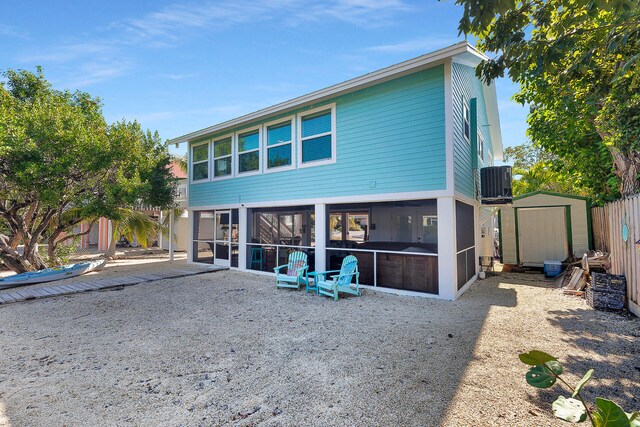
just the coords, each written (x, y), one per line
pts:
(424, 45)
(170, 25)
(9, 31)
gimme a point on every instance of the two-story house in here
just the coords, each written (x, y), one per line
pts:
(383, 166)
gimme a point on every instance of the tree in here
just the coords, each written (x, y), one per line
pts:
(62, 164)
(578, 66)
(536, 169)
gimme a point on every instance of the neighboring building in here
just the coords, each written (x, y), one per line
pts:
(542, 226)
(99, 237)
(383, 166)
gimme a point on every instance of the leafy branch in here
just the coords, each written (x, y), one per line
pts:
(544, 373)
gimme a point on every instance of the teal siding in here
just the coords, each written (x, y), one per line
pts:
(465, 83)
(390, 138)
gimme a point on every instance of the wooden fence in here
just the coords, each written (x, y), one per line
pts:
(611, 224)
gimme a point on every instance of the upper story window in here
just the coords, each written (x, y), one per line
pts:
(249, 151)
(480, 144)
(317, 137)
(200, 162)
(466, 120)
(222, 157)
(279, 144)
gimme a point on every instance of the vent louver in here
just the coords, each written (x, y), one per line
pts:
(495, 185)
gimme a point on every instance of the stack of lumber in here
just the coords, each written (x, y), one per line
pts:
(607, 291)
(594, 260)
(573, 281)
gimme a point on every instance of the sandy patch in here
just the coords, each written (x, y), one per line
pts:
(227, 348)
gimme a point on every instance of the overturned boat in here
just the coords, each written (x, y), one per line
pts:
(51, 274)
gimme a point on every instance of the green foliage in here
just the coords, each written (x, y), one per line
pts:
(536, 357)
(582, 382)
(544, 376)
(609, 414)
(569, 409)
(578, 67)
(536, 169)
(544, 373)
(58, 154)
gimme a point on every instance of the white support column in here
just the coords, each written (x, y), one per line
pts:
(110, 233)
(321, 236)
(447, 283)
(171, 221)
(191, 215)
(243, 236)
(161, 233)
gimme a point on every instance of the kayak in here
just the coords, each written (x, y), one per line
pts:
(51, 274)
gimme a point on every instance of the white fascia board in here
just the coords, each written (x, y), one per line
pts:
(493, 116)
(428, 60)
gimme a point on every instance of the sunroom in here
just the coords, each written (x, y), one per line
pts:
(395, 242)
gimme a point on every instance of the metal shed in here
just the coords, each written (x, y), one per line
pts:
(543, 226)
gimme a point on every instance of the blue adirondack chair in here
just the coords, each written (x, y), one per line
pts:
(296, 271)
(343, 281)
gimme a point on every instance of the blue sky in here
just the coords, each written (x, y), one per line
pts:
(180, 66)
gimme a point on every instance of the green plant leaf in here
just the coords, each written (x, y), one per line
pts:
(582, 382)
(609, 414)
(634, 419)
(541, 376)
(571, 410)
(536, 357)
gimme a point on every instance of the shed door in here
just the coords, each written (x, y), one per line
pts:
(542, 235)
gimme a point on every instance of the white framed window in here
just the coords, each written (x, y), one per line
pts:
(279, 145)
(466, 120)
(317, 136)
(200, 162)
(248, 145)
(223, 157)
(480, 144)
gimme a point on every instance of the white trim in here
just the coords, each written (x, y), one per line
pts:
(243, 237)
(493, 117)
(321, 223)
(465, 199)
(190, 168)
(369, 198)
(393, 291)
(213, 157)
(466, 118)
(448, 126)
(469, 248)
(407, 67)
(402, 292)
(236, 151)
(447, 259)
(466, 286)
(291, 119)
(299, 140)
(480, 144)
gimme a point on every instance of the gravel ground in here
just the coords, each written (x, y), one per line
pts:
(227, 348)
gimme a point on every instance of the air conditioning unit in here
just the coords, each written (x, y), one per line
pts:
(495, 185)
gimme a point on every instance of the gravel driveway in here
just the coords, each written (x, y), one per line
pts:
(228, 348)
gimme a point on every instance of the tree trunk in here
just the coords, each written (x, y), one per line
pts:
(627, 168)
(114, 240)
(51, 249)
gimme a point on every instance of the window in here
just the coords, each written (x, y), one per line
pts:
(480, 144)
(279, 144)
(200, 162)
(466, 120)
(249, 151)
(222, 157)
(317, 137)
(349, 226)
